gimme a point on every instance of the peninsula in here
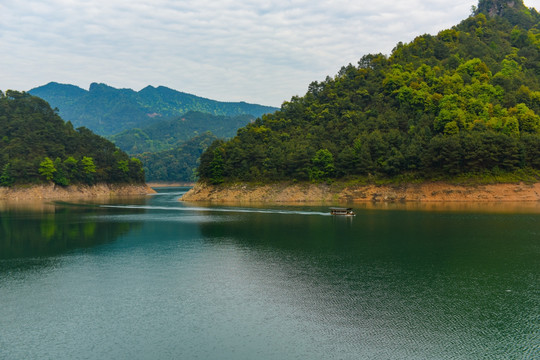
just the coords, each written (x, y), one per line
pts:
(41, 156)
(460, 105)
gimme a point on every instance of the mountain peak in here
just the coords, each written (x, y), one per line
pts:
(59, 89)
(99, 87)
(147, 88)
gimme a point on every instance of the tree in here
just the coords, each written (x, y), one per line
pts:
(47, 169)
(6, 179)
(88, 165)
(123, 166)
(528, 120)
(322, 165)
(59, 176)
(136, 171)
(216, 168)
(88, 169)
(71, 169)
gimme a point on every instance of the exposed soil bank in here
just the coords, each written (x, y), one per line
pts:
(51, 191)
(339, 192)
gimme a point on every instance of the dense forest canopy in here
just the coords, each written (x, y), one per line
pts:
(107, 110)
(37, 146)
(464, 101)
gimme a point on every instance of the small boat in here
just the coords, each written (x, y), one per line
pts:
(342, 211)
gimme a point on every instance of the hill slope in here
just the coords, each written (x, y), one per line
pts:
(107, 110)
(37, 146)
(466, 101)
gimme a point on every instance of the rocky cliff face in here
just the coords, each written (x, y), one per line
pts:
(499, 7)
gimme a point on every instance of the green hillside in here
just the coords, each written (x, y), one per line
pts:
(37, 146)
(168, 134)
(107, 110)
(465, 102)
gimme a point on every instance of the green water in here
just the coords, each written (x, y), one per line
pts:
(154, 278)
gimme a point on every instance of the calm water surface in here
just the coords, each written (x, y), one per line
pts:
(154, 278)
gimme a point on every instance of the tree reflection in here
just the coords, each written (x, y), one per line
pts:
(58, 229)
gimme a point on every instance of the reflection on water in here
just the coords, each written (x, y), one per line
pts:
(30, 229)
(161, 279)
(26, 205)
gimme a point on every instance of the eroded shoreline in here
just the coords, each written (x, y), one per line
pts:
(342, 193)
(52, 192)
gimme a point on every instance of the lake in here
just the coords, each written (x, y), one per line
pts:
(154, 278)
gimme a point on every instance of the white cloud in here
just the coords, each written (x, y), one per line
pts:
(256, 51)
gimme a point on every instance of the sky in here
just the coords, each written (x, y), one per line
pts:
(256, 51)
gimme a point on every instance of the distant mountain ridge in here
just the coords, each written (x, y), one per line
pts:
(107, 110)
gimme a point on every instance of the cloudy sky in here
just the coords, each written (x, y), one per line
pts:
(229, 50)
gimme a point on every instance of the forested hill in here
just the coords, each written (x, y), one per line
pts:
(107, 110)
(37, 146)
(463, 102)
